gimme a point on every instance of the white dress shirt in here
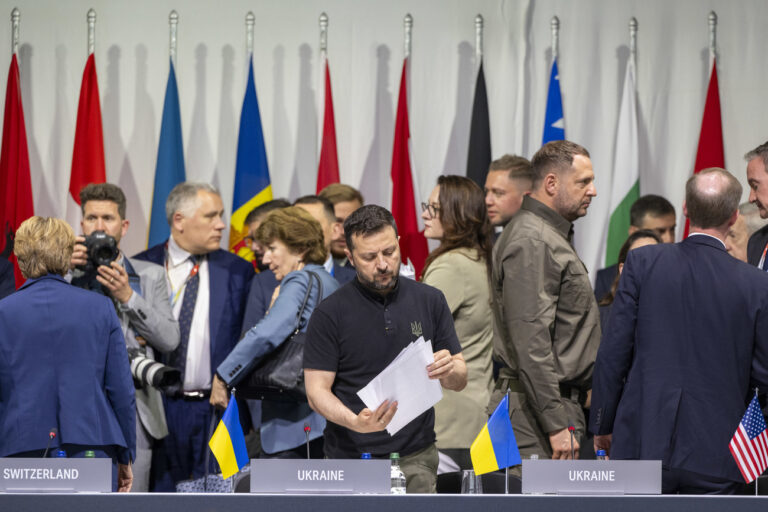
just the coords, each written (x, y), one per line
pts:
(197, 374)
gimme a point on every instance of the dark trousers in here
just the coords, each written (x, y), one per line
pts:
(680, 481)
(181, 455)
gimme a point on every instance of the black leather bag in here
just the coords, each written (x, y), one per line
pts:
(280, 374)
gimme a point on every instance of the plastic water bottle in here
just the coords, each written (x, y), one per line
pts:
(396, 476)
(366, 456)
(600, 455)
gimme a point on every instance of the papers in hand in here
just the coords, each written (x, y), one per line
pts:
(405, 381)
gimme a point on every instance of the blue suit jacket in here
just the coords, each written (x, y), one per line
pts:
(263, 286)
(688, 327)
(230, 277)
(63, 364)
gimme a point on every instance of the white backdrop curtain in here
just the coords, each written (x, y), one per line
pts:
(365, 48)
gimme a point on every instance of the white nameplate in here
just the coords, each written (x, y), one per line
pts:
(334, 476)
(55, 475)
(591, 476)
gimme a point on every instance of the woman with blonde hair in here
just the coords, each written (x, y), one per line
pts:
(460, 267)
(63, 364)
(294, 251)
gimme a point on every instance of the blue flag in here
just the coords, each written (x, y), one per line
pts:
(252, 184)
(228, 442)
(554, 126)
(495, 446)
(170, 162)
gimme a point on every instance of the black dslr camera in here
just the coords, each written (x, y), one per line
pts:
(102, 250)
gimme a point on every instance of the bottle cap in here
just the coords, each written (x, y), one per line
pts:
(60, 454)
(534, 456)
(394, 455)
(366, 455)
(600, 453)
(90, 454)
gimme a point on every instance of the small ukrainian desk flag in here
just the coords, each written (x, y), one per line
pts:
(228, 442)
(495, 446)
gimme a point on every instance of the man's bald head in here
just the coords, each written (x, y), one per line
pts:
(711, 198)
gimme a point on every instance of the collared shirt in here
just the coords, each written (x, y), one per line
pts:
(356, 333)
(546, 319)
(328, 265)
(710, 236)
(197, 374)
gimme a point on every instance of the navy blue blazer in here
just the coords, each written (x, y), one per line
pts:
(7, 278)
(63, 364)
(229, 279)
(263, 286)
(604, 281)
(687, 329)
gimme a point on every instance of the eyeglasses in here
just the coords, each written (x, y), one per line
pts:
(431, 209)
(248, 239)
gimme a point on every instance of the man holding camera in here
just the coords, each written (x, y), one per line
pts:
(139, 292)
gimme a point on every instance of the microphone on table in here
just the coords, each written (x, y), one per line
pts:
(51, 437)
(571, 429)
(307, 430)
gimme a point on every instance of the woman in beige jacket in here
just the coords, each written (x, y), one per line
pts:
(460, 267)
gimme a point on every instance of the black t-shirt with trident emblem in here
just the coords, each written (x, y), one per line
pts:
(356, 333)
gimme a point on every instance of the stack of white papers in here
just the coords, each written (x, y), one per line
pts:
(405, 381)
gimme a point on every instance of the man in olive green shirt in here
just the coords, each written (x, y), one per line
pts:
(546, 320)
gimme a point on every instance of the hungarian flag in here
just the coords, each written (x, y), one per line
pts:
(328, 168)
(413, 245)
(252, 184)
(479, 154)
(625, 186)
(710, 152)
(169, 170)
(88, 152)
(15, 185)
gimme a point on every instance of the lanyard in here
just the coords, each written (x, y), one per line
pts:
(175, 295)
(762, 258)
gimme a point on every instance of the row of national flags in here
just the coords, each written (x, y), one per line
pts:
(252, 185)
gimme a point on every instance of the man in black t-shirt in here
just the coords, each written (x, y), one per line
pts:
(356, 332)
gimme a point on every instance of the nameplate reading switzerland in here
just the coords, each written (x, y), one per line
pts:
(55, 475)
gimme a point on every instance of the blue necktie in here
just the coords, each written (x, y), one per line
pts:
(178, 358)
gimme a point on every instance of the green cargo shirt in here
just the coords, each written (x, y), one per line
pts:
(546, 319)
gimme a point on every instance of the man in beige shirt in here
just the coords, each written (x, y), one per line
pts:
(545, 315)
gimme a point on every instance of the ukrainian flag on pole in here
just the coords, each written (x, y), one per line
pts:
(495, 446)
(228, 442)
(252, 184)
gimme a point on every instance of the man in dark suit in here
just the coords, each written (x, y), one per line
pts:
(208, 287)
(688, 329)
(757, 177)
(648, 212)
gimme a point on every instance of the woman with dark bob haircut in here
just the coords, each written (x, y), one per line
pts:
(460, 267)
(294, 248)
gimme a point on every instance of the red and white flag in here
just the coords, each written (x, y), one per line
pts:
(328, 167)
(15, 186)
(88, 153)
(710, 152)
(749, 445)
(413, 245)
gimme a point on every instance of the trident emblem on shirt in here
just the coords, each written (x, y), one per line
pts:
(416, 328)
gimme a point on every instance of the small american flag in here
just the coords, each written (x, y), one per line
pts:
(749, 445)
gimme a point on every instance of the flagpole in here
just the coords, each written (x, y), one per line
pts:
(479, 39)
(506, 469)
(250, 20)
(408, 26)
(555, 26)
(91, 17)
(712, 35)
(323, 22)
(173, 21)
(15, 17)
(757, 480)
(633, 40)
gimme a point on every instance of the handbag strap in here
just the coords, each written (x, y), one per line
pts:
(312, 275)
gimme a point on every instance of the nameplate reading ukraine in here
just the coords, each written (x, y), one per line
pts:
(316, 476)
(55, 475)
(591, 477)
